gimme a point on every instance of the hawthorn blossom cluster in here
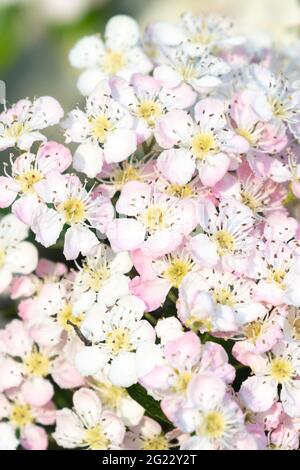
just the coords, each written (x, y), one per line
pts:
(173, 317)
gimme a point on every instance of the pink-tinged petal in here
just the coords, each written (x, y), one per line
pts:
(206, 390)
(183, 351)
(125, 234)
(113, 427)
(37, 391)
(15, 339)
(46, 267)
(204, 250)
(113, 151)
(143, 265)
(8, 191)
(34, 438)
(24, 258)
(280, 227)
(184, 95)
(46, 415)
(157, 379)
(176, 165)
(27, 309)
(215, 358)
(46, 332)
(258, 393)
(5, 279)
(174, 124)
(171, 405)
(79, 239)
(161, 243)
(152, 291)
(290, 398)
(103, 213)
(53, 156)
(134, 198)
(145, 83)
(65, 375)
(210, 111)
(87, 406)
(11, 374)
(25, 208)
(214, 169)
(22, 286)
(167, 76)
(47, 225)
(46, 111)
(88, 159)
(69, 432)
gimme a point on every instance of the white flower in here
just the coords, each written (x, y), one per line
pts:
(116, 335)
(16, 255)
(20, 125)
(101, 278)
(120, 54)
(88, 425)
(281, 367)
(99, 131)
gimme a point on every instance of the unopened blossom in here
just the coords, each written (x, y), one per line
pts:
(16, 255)
(21, 124)
(88, 426)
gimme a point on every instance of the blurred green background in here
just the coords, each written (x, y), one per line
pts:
(36, 35)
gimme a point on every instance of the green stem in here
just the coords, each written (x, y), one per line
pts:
(150, 318)
(172, 297)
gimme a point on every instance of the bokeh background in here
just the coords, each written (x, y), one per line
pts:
(36, 36)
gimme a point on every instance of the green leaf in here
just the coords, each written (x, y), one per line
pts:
(152, 407)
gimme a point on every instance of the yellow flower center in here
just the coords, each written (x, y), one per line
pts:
(224, 297)
(250, 201)
(281, 369)
(95, 277)
(196, 323)
(113, 62)
(188, 71)
(37, 364)
(155, 218)
(176, 271)
(65, 315)
(253, 330)
(125, 174)
(118, 340)
(180, 191)
(296, 326)
(21, 415)
(96, 439)
(213, 425)
(203, 144)
(278, 108)
(149, 110)
(2, 257)
(156, 443)
(225, 242)
(28, 179)
(15, 130)
(277, 276)
(246, 134)
(182, 381)
(73, 210)
(110, 394)
(100, 127)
